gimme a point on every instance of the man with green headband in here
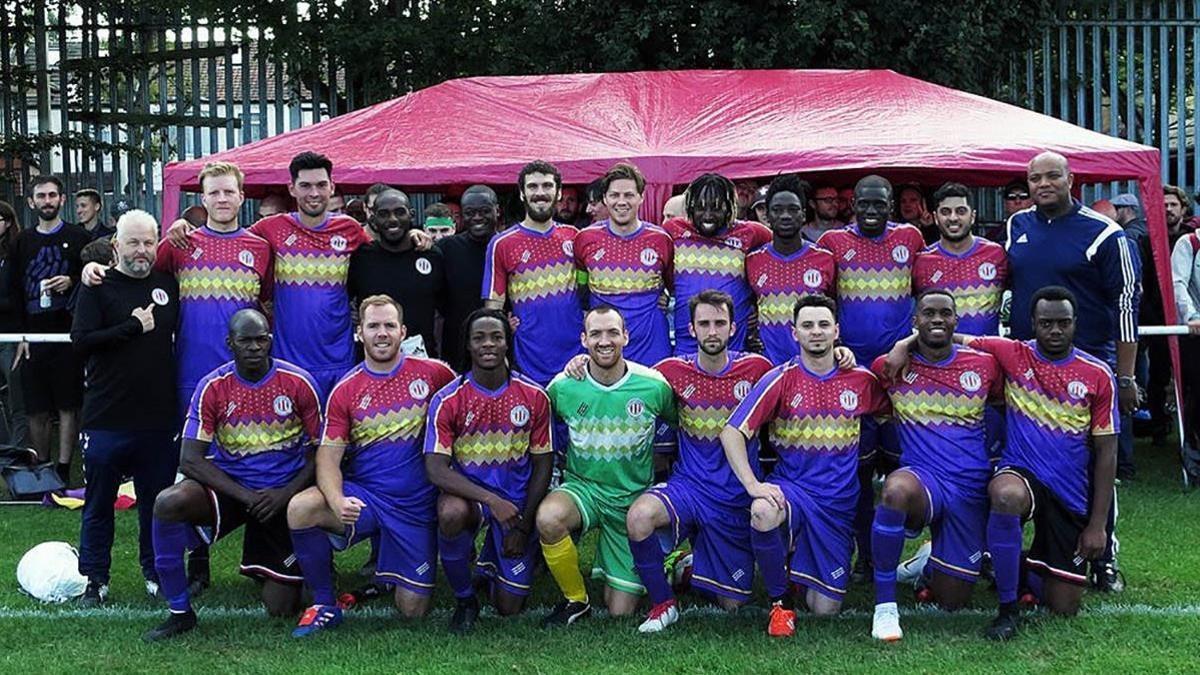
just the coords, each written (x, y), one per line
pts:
(391, 266)
(439, 221)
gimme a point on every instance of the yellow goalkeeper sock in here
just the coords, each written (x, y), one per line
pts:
(563, 560)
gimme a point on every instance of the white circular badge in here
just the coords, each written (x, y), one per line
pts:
(424, 266)
(741, 389)
(337, 242)
(1077, 389)
(246, 258)
(987, 271)
(519, 416)
(812, 278)
(160, 297)
(900, 254)
(649, 257)
(282, 405)
(418, 389)
(568, 247)
(848, 399)
(970, 381)
(635, 407)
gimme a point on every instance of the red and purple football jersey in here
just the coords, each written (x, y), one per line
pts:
(874, 285)
(630, 272)
(380, 418)
(938, 409)
(535, 272)
(259, 431)
(219, 273)
(778, 281)
(814, 424)
(1053, 407)
(705, 401)
(976, 279)
(717, 262)
(490, 435)
(312, 308)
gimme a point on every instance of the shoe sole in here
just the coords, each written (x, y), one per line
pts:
(570, 619)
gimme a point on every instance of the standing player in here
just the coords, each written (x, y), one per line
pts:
(532, 267)
(611, 416)
(703, 501)
(1058, 465)
(807, 504)
(487, 448)
(939, 406)
(710, 252)
(247, 449)
(370, 478)
(874, 261)
(628, 264)
(786, 268)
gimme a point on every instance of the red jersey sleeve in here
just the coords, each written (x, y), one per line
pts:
(540, 435)
(1104, 407)
(338, 416)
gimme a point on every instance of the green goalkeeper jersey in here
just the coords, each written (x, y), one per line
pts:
(611, 428)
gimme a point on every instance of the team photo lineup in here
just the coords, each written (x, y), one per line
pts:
(739, 412)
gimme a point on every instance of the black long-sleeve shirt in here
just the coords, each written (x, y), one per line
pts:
(36, 256)
(130, 374)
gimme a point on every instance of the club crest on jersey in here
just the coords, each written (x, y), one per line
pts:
(365, 402)
(733, 242)
(418, 389)
(337, 242)
(649, 257)
(160, 297)
(424, 266)
(519, 416)
(1077, 389)
(900, 254)
(987, 271)
(812, 278)
(282, 405)
(970, 381)
(246, 258)
(197, 252)
(848, 399)
(635, 407)
(741, 389)
(568, 247)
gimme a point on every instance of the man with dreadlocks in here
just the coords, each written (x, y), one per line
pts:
(874, 259)
(710, 253)
(487, 448)
(787, 268)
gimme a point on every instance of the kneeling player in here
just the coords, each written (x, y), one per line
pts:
(807, 504)
(611, 416)
(487, 447)
(939, 406)
(703, 501)
(261, 418)
(375, 418)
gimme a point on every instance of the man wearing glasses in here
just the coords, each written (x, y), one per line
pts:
(825, 214)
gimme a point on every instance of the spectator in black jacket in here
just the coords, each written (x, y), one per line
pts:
(10, 322)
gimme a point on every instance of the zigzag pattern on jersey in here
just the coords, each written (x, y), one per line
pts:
(776, 308)
(218, 283)
(404, 424)
(832, 434)
(976, 300)
(610, 439)
(621, 281)
(1070, 418)
(695, 257)
(536, 283)
(859, 283)
(299, 269)
(488, 447)
(926, 407)
(702, 422)
(253, 437)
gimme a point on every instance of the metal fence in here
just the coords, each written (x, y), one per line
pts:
(104, 94)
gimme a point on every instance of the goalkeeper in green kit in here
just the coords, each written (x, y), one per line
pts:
(611, 415)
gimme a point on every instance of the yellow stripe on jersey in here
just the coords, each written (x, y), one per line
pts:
(1067, 417)
(253, 438)
(617, 281)
(541, 282)
(294, 268)
(495, 447)
(936, 408)
(393, 425)
(977, 300)
(703, 423)
(222, 283)
(816, 432)
(722, 260)
(870, 284)
(776, 308)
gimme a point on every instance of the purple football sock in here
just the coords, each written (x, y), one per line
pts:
(171, 541)
(1004, 543)
(648, 561)
(457, 553)
(887, 543)
(314, 554)
(772, 561)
